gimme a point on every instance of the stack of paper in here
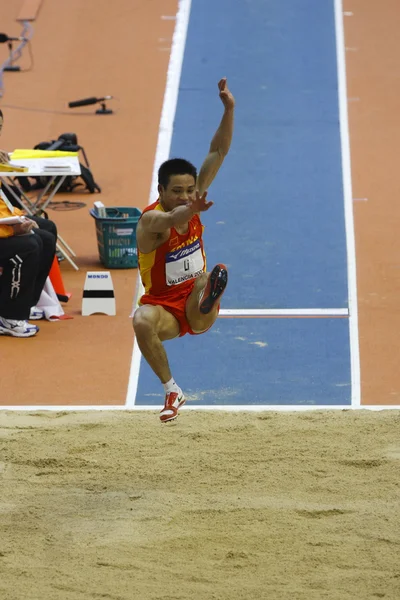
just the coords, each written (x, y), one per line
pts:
(12, 220)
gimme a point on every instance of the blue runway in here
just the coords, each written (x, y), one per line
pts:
(259, 361)
(278, 222)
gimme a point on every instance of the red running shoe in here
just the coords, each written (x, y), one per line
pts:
(173, 401)
(214, 289)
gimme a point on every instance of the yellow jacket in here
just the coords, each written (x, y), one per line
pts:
(7, 230)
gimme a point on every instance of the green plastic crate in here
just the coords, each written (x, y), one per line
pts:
(116, 236)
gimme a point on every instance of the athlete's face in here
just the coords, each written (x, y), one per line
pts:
(180, 189)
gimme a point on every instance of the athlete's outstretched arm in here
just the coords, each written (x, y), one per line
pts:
(155, 221)
(221, 141)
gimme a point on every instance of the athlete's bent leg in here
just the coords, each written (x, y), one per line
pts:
(153, 325)
(202, 306)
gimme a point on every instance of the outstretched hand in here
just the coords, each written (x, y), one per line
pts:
(225, 94)
(200, 204)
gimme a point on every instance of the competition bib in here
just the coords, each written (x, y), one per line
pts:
(186, 263)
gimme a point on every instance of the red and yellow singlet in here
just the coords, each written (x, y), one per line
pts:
(169, 270)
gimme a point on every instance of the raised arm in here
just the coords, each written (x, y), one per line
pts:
(221, 141)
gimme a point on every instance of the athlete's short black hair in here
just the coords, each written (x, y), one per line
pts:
(175, 166)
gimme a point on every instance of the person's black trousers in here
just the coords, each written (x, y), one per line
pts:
(26, 261)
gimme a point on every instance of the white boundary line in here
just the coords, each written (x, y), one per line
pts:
(296, 312)
(162, 152)
(348, 206)
(231, 408)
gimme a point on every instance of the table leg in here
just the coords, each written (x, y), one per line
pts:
(29, 207)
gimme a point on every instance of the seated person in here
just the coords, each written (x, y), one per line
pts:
(26, 256)
(45, 224)
(27, 252)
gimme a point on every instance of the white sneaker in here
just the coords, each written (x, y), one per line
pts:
(14, 328)
(36, 314)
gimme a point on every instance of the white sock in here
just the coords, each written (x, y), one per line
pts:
(171, 386)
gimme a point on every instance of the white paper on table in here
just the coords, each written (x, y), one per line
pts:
(39, 164)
